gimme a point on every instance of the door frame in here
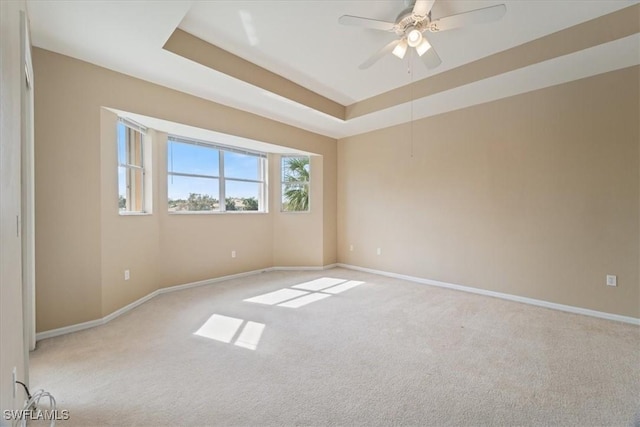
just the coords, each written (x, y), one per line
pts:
(28, 190)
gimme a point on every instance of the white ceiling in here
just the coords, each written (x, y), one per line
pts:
(302, 41)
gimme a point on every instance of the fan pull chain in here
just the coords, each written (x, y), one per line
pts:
(410, 71)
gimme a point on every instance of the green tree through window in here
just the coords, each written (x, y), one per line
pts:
(295, 184)
(250, 204)
(201, 202)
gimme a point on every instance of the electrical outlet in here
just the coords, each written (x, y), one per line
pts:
(379, 251)
(612, 280)
(233, 254)
(127, 275)
(15, 384)
(351, 248)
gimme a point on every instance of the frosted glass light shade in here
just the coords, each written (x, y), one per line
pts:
(423, 47)
(400, 49)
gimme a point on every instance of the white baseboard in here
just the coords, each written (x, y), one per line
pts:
(315, 268)
(571, 309)
(210, 281)
(97, 322)
(69, 329)
(510, 297)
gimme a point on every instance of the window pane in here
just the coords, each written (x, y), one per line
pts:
(192, 194)
(130, 179)
(242, 196)
(295, 197)
(122, 138)
(295, 169)
(192, 159)
(241, 166)
(295, 172)
(134, 147)
(134, 200)
(122, 188)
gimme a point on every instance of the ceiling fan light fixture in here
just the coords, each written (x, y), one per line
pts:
(400, 49)
(423, 47)
(415, 19)
(414, 37)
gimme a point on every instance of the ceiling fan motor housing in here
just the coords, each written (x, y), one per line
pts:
(407, 21)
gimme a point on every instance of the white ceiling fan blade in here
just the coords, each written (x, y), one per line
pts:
(423, 7)
(359, 21)
(379, 54)
(478, 16)
(431, 59)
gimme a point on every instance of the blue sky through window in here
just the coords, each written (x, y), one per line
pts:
(122, 159)
(199, 160)
(241, 166)
(192, 159)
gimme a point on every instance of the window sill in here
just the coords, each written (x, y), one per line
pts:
(135, 213)
(178, 213)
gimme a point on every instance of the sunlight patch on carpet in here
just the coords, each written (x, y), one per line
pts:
(319, 284)
(224, 328)
(313, 290)
(343, 287)
(307, 299)
(219, 328)
(250, 335)
(276, 297)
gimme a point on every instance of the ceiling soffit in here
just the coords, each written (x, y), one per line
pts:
(604, 29)
(195, 49)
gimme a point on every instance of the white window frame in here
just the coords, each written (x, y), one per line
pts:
(129, 167)
(222, 179)
(283, 183)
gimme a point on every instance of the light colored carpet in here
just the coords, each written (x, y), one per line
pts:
(386, 352)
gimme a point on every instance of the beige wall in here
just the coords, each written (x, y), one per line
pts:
(535, 195)
(330, 208)
(12, 353)
(68, 206)
(84, 246)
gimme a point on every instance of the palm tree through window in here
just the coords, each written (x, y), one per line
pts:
(295, 183)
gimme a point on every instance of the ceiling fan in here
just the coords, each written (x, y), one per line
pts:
(413, 22)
